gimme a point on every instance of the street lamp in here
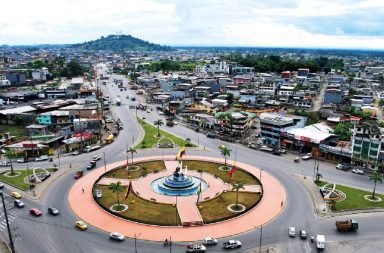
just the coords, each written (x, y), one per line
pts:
(135, 242)
(261, 236)
(105, 165)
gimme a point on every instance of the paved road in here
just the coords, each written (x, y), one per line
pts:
(57, 234)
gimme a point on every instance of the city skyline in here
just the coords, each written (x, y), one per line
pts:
(347, 24)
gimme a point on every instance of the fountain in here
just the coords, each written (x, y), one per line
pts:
(178, 184)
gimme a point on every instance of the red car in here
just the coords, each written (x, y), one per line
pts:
(35, 212)
(78, 174)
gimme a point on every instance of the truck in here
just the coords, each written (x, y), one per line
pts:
(347, 225)
(320, 242)
(118, 101)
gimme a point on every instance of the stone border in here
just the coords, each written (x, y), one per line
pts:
(368, 198)
(7, 174)
(115, 211)
(136, 168)
(243, 208)
(222, 168)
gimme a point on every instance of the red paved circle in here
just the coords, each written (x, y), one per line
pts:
(88, 210)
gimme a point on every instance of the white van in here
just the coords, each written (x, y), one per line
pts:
(320, 242)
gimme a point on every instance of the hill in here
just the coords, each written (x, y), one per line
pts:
(120, 42)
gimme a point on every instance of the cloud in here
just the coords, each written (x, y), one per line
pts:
(293, 23)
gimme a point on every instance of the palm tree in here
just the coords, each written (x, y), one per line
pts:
(8, 154)
(225, 152)
(131, 150)
(158, 123)
(116, 187)
(376, 177)
(237, 187)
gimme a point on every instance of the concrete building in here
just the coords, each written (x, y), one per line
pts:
(333, 96)
(366, 143)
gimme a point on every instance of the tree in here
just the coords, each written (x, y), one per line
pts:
(376, 177)
(344, 131)
(225, 152)
(131, 150)
(237, 187)
(230, 97)
(158, 123)
(116, 187)
(9, 155)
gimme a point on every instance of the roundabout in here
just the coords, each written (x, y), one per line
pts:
(189, 211)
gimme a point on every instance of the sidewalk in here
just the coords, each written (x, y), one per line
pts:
(317, 199)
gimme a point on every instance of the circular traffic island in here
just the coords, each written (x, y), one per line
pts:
(194, 195)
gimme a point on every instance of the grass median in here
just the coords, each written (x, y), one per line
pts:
(240, 176)
(150, 139)
(216, 209)
(18, 181)
(139, 209)
(354, 198)
(144, 168)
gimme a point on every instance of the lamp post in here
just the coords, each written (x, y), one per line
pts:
(105, 165)
(135, 242)
(261, 236)
(7, 222)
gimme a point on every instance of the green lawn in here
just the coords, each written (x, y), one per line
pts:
(355, 198)
(145, 168)
(150, 139)
(18, 131)
(19, 180)
(239, 176)
(140, 209)
(216, 209)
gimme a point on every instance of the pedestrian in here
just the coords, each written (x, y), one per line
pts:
(282, 202)
(82, 190)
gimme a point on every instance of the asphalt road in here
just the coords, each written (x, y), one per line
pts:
(58, 234)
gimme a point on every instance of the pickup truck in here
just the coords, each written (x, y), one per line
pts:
(196, 248)
(348, 225)
(232, 244)
(307, 157)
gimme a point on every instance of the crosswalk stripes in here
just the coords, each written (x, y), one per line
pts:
(12, 215)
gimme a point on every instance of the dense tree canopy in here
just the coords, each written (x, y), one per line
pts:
(344, 131)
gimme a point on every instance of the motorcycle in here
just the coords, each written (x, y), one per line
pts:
(166, 243)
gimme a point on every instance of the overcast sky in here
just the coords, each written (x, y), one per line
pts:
(283, 23)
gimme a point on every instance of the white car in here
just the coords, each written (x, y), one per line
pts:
(42, 158)
(4, 163)
(209, 241)
(232, 244)
(21, 160)
(307, 156)
(292, 231)
(96, 158)
(358, 171)
(196, 248)
(116, 236)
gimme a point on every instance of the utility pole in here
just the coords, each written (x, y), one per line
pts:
(58, 156)
(81, 132)
(105, 165)
(170, 244)
(261, 236)
(8, 228)
(29, 177)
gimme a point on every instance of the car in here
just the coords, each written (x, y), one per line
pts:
(358, 171)
(276, 152)
(307, 156)
(91, 165)
(18, 203)
(292, 231)
(1, 186)
(209, 241)
(36, 212)
(42, 158)
(283, 151)
(232, 244)
(116, 236)
(16, 195)
(211, 135)
(148, 110)
(254, 146)
(197, 248)
(75, 152)
(21, 160)
(133, 98)
(221, 146)
(78, 174)
(303, 234)
(4, 163)
(96, 158)
(81, 225)
(342, 166)
(53, 211)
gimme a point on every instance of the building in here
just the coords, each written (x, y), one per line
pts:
(366, 143)
(235, 123)
(333, 96)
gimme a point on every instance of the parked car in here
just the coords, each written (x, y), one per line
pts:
(221, 146)
(75, 152)
(276, 152)
(342, 166)
(232, 244)
(4, 163)
(197, 248)
(1, 186)
(42, 158)
(21, 160)
(81, 225)
(307, 156)
(53, 211)
(96, 158)
(358, 171)
(18, 203)
(16, 195)
(116, 236)
(209, 241)
(303, 234)
(254, 146)
(36, 212)
(292, 231)
(211, 135)
(283, 151)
